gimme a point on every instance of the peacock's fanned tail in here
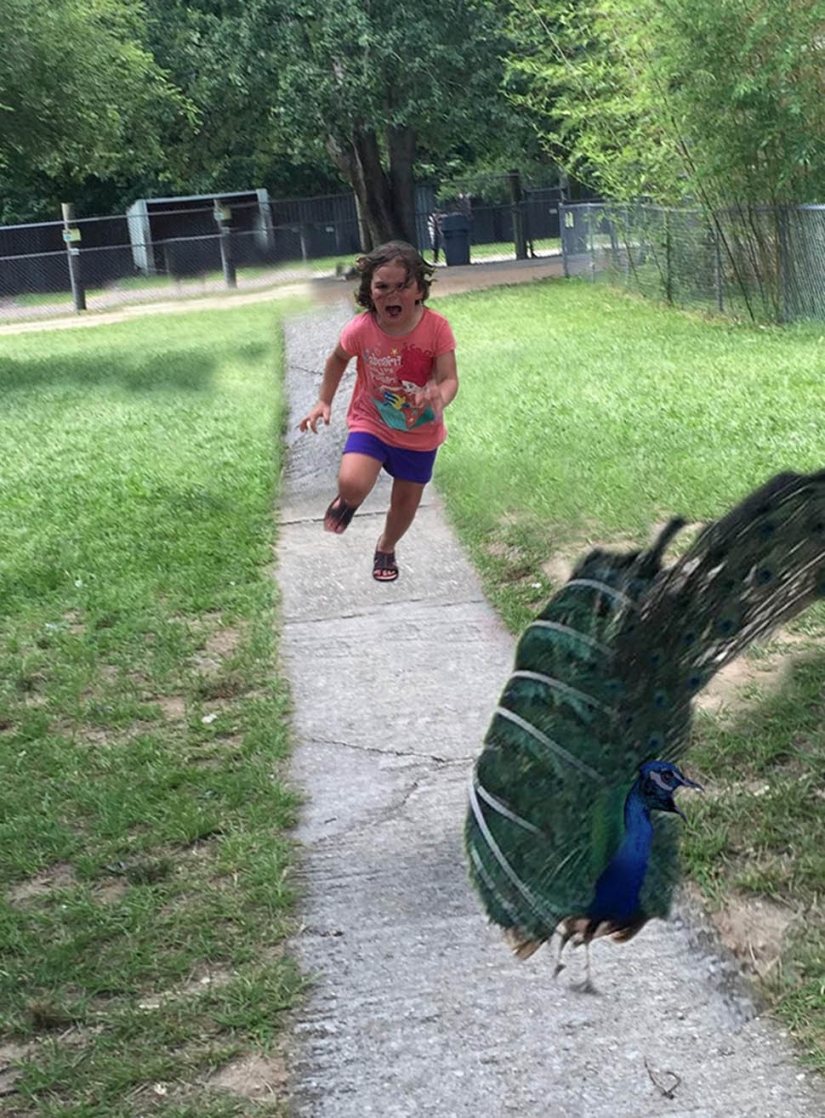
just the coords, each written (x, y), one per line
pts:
(534, 842)
(604, 679)
(754, 569)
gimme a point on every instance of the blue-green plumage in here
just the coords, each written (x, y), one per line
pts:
(617, 896)
(564, 831)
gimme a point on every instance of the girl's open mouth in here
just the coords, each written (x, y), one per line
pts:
(392, 311)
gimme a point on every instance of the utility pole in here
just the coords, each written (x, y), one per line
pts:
(71, 237)
(517, 210)
(222, 215)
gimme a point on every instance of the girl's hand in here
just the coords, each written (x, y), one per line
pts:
(430, 394)
(318, 411)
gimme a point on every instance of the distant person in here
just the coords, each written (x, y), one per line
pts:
(436, 236)
(406, 377)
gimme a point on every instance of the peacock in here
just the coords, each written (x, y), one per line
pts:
(571, 826)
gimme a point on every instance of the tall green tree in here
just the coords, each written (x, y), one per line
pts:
(79, 92)
(225, 58)
(587, 71)
(715, 99)
(746, 88)
(375, 84)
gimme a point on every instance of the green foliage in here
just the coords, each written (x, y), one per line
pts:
(747, 88)
(139, 97)
(356, 64)
(718, 101)
(78, 89)
(586, 69)
(226, 58)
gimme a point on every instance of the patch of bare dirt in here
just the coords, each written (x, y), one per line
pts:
(253, 1077)
(217, 647)
(11, 1056)
(59, 876)
(559, 566)
(728, 691)
(754, 929)
(196, 986)
(74, 622)
(223, 642)
(173, 706)
(111, 891)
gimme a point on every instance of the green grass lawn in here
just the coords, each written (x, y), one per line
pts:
(587, 416)
(143, 721)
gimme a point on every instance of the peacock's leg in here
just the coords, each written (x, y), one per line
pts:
(565, 931)
(587, 986)
(559, 967)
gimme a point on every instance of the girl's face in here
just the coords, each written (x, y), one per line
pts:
(395, 297)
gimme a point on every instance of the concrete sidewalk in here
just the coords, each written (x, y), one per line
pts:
(417, 1007)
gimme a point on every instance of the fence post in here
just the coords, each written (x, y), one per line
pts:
(222, 215)
(517, 210)
(71, 237)
(627, 264)
(783, 301)
(717, 269)
(668, 259)
(563, 215)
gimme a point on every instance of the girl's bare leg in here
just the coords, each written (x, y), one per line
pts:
(404, 502)
(356, 477)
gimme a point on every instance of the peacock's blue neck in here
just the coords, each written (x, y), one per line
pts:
(619, 887)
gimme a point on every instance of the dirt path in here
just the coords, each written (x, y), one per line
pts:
(448, 281)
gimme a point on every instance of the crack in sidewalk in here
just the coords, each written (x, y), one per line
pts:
(422, 757)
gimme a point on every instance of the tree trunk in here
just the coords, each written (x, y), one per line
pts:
(401, 148)
(344, 159)
(377, 196)
(359, 160)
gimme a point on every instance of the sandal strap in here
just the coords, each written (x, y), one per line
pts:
(340, 513)
(384, 564)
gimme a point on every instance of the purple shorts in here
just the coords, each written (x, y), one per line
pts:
(406, 465)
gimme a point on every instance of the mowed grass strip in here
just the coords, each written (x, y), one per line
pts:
(586, 417)
(144, 861)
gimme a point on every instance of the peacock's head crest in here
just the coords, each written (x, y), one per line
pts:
(658, 780)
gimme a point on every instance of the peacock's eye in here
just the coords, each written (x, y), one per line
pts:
(667, 777)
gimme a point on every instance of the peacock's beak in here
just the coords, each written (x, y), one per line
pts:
(691, 784)
(685, 782)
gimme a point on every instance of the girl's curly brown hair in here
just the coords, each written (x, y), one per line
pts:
(392, 252)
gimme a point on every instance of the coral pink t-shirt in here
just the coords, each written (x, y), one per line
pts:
(389, 369)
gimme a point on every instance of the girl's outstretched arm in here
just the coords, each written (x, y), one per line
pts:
(333, 371)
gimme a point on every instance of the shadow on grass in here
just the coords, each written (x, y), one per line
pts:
(183, 370)
(755, 842)
(783, 727)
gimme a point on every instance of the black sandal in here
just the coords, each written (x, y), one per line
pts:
(384, 566)
(338, 516)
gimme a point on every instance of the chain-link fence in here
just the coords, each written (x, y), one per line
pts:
(766, 263)
(168, 248)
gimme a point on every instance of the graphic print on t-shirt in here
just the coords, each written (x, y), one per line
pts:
(396, 376)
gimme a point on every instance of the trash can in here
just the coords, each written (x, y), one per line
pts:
(455, 233)
(574, 232)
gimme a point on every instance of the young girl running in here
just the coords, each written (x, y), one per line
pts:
(406, 377)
